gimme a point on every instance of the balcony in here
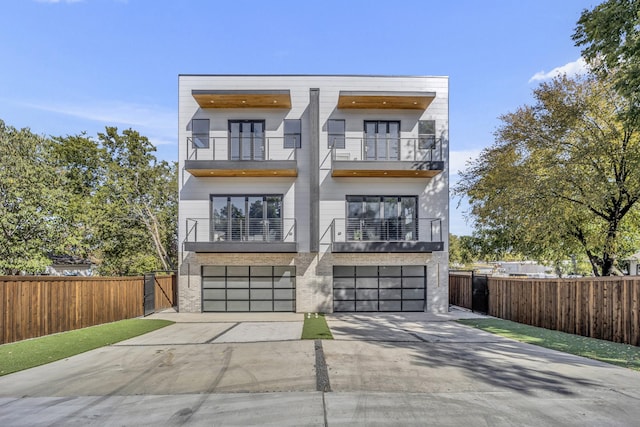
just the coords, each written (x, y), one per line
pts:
(241, 235)
(386, 235)
(387, 157)
(246, 157)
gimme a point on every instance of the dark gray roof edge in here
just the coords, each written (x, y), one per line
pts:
(311, 75)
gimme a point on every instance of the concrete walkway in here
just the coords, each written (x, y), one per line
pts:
(402, 369)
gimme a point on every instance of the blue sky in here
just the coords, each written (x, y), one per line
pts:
(80, 65)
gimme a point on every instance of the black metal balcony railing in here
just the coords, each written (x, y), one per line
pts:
(240, 230)
(421, 149)
(386, 230)
(256, 148)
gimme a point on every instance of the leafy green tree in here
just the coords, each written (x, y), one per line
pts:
(137, 206)
(78, 162)
(610, 37)
(31, 202)
(562, 178)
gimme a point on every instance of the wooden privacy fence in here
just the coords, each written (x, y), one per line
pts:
(33, 306)
(607, 308)
(460, 289)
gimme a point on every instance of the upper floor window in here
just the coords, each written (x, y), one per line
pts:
(336, 131)
(246, 140)
(426, 134)
(200, 133)
(292, 133)
(382, 140)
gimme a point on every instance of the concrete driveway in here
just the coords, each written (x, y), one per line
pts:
(403, 369)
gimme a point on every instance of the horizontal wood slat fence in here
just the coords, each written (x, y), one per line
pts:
(33, 306)
(607, 308)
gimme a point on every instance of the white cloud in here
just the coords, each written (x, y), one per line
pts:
(157, 123)
(459, 158)
(579, 66)
(59, 1)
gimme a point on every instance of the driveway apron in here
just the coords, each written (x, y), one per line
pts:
(403, 369)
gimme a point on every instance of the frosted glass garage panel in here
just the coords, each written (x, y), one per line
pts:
(344, 306)
(214, 306)
(237, 305)
(284, 294)
(214, 294)
(390, 305)
(367, 282)
(238, 294)
(390, 271)
(284, 271)
(413, 282)
(261, 271)
(237, 282)
(390, 294)
(367, 294)
(213, 283)
(344, 294)
(284, 282)
(261, 282)
(367, 305)
(214, 270)
(237, 271)
(343, 271)
(413, 305)
(261, 294)
(261, 305)
(390, 283)
(283, 306)
(366, 271)
(344, 282)
(413, 270)
(413, 294)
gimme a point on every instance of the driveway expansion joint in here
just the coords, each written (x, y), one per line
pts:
(322, 373)
(209, 341)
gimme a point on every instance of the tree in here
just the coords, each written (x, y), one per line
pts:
(610, 36)
(78, 162)
(137, 206)
(465, 249)
(31, 202)
(562, 177)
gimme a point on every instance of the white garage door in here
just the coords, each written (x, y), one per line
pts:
(379, 288)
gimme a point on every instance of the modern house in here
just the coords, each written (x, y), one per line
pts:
(313, 193)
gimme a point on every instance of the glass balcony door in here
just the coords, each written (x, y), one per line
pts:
(381, 218)
(246, 140)
(382, 140)
(246, 218)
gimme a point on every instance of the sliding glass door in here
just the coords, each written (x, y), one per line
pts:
(246, 218)
(382, 218)
(382, 140)
(246, 140)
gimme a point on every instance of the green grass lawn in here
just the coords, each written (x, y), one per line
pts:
(624, 355)
(38, 351)
(315, 328)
